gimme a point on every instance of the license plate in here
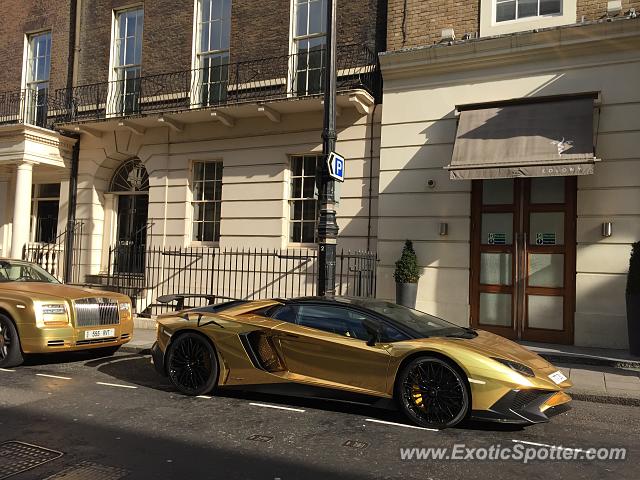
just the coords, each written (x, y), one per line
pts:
(104, 333)
(557, 377)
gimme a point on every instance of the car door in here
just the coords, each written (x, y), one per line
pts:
(327, 344)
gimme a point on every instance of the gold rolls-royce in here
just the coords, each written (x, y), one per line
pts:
(38, 314)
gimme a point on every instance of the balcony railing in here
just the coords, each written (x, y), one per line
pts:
(33, 107)
(252, 81)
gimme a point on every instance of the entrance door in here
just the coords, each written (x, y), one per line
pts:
(132, 233)
(523, 258)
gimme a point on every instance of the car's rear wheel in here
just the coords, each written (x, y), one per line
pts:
(10, 352)
(432, 392)
(192, 364)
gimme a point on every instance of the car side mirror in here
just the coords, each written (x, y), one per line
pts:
(374, 329)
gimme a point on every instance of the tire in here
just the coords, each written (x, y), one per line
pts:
(192, 364)
(432, 392)
(10, 351)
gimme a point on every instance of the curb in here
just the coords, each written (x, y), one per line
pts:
(606, 399)
(588, 360)
(140, 350)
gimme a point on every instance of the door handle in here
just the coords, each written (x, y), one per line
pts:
(523, 289)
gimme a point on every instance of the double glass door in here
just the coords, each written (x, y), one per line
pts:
(523, 258)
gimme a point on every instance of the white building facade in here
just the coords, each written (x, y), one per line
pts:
(536, 244)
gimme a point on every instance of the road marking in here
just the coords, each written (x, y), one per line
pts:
(6, 370)
(115, 385)
(206, 397)
(52, 376)
(277, 407)
(547, 445)
(401, 425)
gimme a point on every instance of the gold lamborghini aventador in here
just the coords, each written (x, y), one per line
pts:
(438, 373)
(38, 314)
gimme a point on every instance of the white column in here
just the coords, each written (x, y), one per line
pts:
(21, 209)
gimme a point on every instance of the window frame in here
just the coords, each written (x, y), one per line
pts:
(490, 27)
(113, 106)
(36, 198)
(199, 56)
(523, 19)
(30, 112)
(295, 40)
(217, 203)
(291, 199)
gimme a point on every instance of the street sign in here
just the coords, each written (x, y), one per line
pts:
(336, 166)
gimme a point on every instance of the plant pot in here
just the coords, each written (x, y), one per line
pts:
(633, 323)
(406, 294)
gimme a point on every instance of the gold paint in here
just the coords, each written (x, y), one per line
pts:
(323, 359)
(34, 338)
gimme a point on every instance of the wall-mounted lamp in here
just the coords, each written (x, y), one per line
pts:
(607, 229)
(444, 229)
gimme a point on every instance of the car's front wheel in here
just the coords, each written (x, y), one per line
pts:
(10, 352)
(192, 364)
(432, 392)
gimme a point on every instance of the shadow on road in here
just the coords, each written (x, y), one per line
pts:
(65, 357)
(148, 453)
(137, 370)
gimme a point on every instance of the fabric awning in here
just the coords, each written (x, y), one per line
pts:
(553, 138)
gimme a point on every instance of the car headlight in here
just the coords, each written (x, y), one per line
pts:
(125, 307)
(518, 367)
(50, 314)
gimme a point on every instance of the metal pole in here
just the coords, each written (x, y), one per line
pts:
(327, 225)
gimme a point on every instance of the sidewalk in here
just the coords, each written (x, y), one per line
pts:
(598, 375)
(603, 357)
(141, 342)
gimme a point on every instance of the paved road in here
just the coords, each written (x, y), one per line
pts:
(117, 414)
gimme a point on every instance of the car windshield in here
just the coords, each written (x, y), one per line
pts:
(15, 271)
(421, 323)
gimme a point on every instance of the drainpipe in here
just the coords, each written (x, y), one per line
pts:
(373, 114)
(69, 241)
(72, 70)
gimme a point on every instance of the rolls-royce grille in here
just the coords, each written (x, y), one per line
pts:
(91, 312)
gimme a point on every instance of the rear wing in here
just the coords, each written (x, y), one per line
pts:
(179, 299)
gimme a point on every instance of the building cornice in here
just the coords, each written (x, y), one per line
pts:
(35, 134)
(619, 36)
(27, 143)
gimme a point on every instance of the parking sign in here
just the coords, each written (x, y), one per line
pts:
(336, 166)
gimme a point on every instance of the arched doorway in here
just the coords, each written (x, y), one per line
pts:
(130, 183)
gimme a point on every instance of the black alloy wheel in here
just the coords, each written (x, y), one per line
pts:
(10, 353)
(433, 393)
(192, 365)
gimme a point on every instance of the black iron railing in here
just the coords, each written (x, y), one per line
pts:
(41, 108)
(254, 81)
(235, 273)
(51, 256)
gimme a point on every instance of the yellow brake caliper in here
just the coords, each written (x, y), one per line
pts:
(417, 396)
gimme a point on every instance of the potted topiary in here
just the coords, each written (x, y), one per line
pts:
(406, 276)
(633, 300)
